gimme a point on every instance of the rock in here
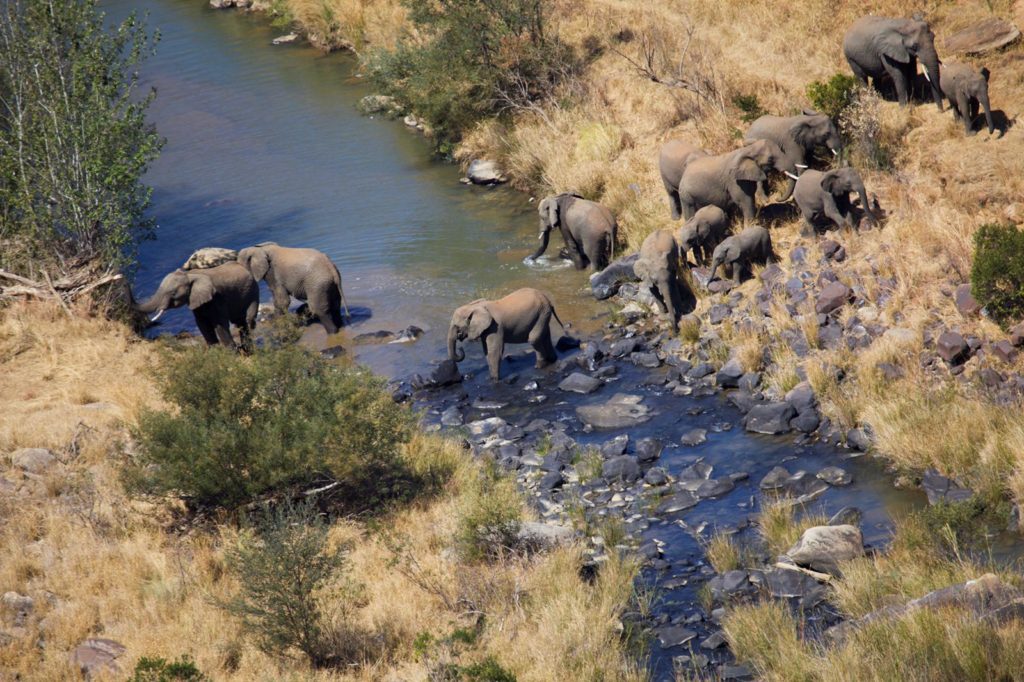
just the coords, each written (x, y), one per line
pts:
(799, 486)
(624, 347)
(889, 371)
(619, 412)
(952, 348)
(17, 607)
(624, 468)
(550, 481)
(798, 255)
(407, 335)
(1017, 335)
(482, 428)
(821, 548)
(774, 479)
(700, 371)
(1004, 350)
(749, 381)
(378, 104)
(801, 397)
(858, 439)
(578, 382)
(942, 489)
(96, 656)
(832, 297)
(715, 487)
(674, 635)
(835, 476)
(678, 502)
(285, 39)
(847, 516)
(806, 422)
(210, 257)
(605, 284)
(730, 672)
(656, 476)
(787, 583)
(719, 313)
(769, 418)
(648, 449)
(34, 460)
(537, 534)
(451, 416)
(901, 337)
(730, 374)
(715, 641)
(829, 247)
(615, 447)
(445, 374)
(649, 360)
(694, 437)
(965, 302)
(484, 172)
(410, 121)
(983, 36)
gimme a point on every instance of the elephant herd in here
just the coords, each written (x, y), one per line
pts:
(705, 190)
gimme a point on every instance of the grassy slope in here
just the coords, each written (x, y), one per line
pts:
(99, 563)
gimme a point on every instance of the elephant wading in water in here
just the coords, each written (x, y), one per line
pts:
(738, 252)
(658, 268)
(966, 89)
(305, 274)
(797, 137)
(588, 229)
(702, 233)
(675, 155)
(218, 297)
(524, 316)
(825, 197)
(890, 48)
(730, 180)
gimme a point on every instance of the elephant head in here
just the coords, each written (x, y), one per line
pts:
(842, 181)
(179, 288)
(815, 130)
(469, 322)
(753, 162)
(256, 259)
(914, 40)
(977, 87)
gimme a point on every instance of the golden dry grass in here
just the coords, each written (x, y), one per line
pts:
(101, 564)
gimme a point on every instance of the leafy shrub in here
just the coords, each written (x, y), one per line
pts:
(162, 670)
(488, 523)
(241, 426)
(831, 97)
(487, 670)
(472, 59)
(749, 106)
(281, 566)
(997, 274)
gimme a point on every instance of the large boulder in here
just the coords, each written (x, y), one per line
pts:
(832, 297)
(983, 36)
(577, 382)
(606, 283)
(97, 656)
(34, 460)
(484, 172)
(210, 257)
(621, 468)
(619, 412)
(952, 348)
(965, 301)
(821, 548)
(769, 418)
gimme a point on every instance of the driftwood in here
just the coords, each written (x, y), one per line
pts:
(64, 290)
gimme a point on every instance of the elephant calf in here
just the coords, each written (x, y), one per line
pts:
(524, 316)
(966, 89)
(588, 229)
(826, 197)
(702, 233)
(305, 274)
(218, 297)
(738, 252)
(658, 268)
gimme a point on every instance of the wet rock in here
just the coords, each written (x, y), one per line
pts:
(832, 297)
(580, 383)
(645, 359)
(821, 548)
(615, 447)
(484, 172)
(730, 374)
(983, 36)
(674, 635)
(622, 468)
(621, 411)
(482, 428)
(656, 476)
(858, 439)
(407, 335)
(445, 374)
(715, 641)
(965, 301)
(715, 487)
(452, 417)
(700, 371)
(678, 502)
(96, 656)
(694, 437)
(800, 485)
(806, 422)
(774, 479)
(209, 257)
(942, 489)
(835, 476)
(952, 348)
(34, 460)
(648, 449)
(769, 418)
(606, 283)
(286, 39)
(847, 516)
(624, 347)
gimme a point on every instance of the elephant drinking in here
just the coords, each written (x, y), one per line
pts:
(588, 229)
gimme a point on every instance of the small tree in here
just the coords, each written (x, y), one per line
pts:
(997, 274)
(831, 97)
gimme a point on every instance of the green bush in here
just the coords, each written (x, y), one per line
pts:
(487, 670)
(281, 566)
(489, 519)
(162, 670)
(997, 274)
(239, 427)
(831, 97)
(749, 106)
(472, 59)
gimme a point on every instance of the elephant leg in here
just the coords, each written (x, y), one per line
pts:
(659, 296)
(672, 302)
(858, 72)
(540, 339)
(808, 229)
(688, 207)
(747, 207)
(223, 331)
(495, 349)
(967, 112)
(244, 336)
(281, 298)
(899, 79)
(737, 272)
(674, 205)
(206, 329)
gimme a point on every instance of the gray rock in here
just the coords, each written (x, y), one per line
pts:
(648, 449)
(656, 476)
(34, 460)
(785, 583)
(847, 516)
(952, 348)
(578, 382)
(801, 397)
(835, 476)
(806, 422)
(96, 656)
(482, 428)
(646, 359)
(484, 172)
(378, 104)
(769, 418)
(678, 502)
(1004, 350)
(715, 641)
(452, 416)
(550, 481)
(730, 672)
(832, 297)
(715, 487)
(821, 548)
(619, 412)
(615, 447)
(606, 283)
(624, 347)
(286, 39)
(858, 439)
(445, 374)
(624, 468)
(983, 36)
(700, 371)
(942, 489)
(749, 381)
(694, 437)
(674, 635)
(719, 313)
(965, 301)
(730, 374)
(774, 479)
(210, 257)
(545, 534)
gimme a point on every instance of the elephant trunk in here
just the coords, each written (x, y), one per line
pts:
(988, 112)
(455, 354)
(715, 263)
(930, 61)
(545, 236)
(152, 305)
(864, 204)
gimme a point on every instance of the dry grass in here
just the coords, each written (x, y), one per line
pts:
(349, 24)
(723, 554)
(99, 563)
(781, 526)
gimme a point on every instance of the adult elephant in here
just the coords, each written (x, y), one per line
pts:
(825, 197)
(797, 137)
(305, 274)
(588, 229)
(673, 158)
(658, 268)
(218, 297)
(524, 316)
(966, 88)
(729, 181)
(880, 47)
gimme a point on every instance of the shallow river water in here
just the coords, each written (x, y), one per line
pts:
(264, 143)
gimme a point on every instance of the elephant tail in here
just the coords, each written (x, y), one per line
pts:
(341, 293)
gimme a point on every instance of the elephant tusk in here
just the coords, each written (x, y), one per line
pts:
(157, 316)
(800, 165)
(834, 152)
(926, 76)
(795, 177)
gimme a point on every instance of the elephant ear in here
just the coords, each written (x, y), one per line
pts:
(259, 263)
(201, 292)
(893, 45)
(745, 168)
(985, 73)
(551, 211)
(828, 182)
(479, 321)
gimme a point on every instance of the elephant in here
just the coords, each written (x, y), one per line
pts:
(882, 47)
(672, 161)
(658, 268)
(966, 89)
(797, 137)
(730, 180)
(306, 274)
(218, 297)
(738, 252)
(702, 233)
(524, 316)
(588, 229)
(826, 196)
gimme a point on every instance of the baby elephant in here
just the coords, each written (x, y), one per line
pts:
(738, 252)
(825, 196)
(966, 89)
(658, 268)
(702, 233)
(524, 316)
